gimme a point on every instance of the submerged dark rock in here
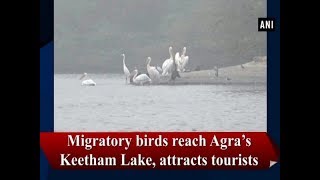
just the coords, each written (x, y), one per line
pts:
(174, 75)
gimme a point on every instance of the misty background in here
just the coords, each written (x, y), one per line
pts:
(91, 35)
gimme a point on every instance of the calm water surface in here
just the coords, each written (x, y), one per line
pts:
(114, 106)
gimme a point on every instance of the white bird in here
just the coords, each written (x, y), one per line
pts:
(153, 72)
(125, 69)
(168, 64)
(159, 69)
(177, 57)
(184, 59)
(178, 61)
(87, 82)
(141, 79)
(132, 74)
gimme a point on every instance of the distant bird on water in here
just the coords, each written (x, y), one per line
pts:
(87, 82)
(140, 79)
(133, 73)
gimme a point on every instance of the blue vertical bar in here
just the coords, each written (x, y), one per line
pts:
(46, 100)
(273, 77)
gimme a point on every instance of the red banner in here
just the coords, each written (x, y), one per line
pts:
(159, 150)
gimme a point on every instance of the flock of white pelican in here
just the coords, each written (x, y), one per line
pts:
(170, 67)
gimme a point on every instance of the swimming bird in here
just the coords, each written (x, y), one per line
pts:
(168, 64)
(132, 74)
(153, 72)
(125, 69)
(87, 82)
(140, 79)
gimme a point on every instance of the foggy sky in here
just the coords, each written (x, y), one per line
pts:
(91, 35)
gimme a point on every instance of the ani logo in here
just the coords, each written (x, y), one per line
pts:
(266, 24)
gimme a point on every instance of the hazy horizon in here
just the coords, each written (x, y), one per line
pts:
(91, 35)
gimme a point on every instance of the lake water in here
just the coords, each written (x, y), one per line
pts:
(113, 105)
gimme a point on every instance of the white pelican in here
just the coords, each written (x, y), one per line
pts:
(175, 72)
(153, 72)
(184, 59)
(141, 79)
(168, 64)
(132, 74)
(177, 57)
(125, 69)
(87, 82)
(159, 69)
(178, 61)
